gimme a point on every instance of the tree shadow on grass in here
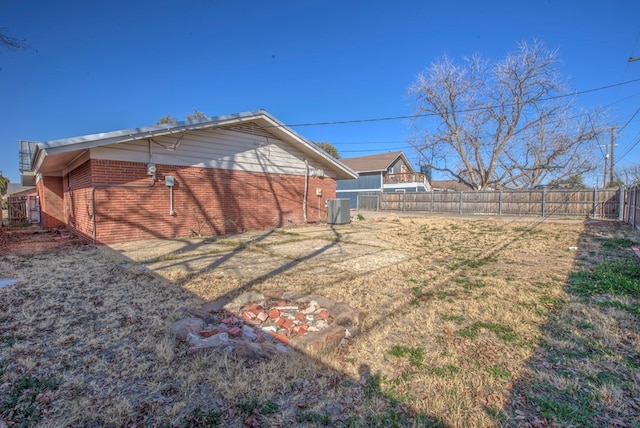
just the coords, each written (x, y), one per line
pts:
(85, 341)
(584, 368)
(337, 399)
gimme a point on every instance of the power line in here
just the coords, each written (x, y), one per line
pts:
(390, 118)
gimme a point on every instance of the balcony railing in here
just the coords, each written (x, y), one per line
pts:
(404, 178)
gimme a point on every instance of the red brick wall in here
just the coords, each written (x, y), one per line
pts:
(206, 201)
(50, 194)
(77, 199)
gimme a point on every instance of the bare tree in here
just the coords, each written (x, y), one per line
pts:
(504, 123)
(629, 175)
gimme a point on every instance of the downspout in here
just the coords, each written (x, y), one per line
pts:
(306, 190)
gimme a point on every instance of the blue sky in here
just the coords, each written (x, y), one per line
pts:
(103, 66)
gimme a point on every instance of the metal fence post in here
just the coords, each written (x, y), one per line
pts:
(543, 197)
(500, 203)
(460, 208)
(595, 202)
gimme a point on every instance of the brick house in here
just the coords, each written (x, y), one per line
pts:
(220, 175)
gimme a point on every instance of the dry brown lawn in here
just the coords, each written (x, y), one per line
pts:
(469, 322)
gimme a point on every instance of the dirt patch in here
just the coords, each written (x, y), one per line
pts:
(33, 240)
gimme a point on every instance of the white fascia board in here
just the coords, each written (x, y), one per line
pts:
(114, 137)
(357, 190)
(38, 158)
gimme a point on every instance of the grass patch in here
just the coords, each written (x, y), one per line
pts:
(571, 409)
(472, 263)
(616, 243)
(614, 277)
(314, 418)
(21, 405)
(418, 295)
(455, 318)
(415, 355)
(632, 309)
(503, 332)
(499, 372)
(203, 418)
(469, 284)
(448, 371)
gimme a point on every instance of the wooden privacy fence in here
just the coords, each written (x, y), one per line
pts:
(561, 203)
(632, 206)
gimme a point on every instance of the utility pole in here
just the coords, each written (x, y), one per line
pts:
(613, 143)
(606, 158)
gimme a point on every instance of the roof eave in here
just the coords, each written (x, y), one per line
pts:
(114, 137)
(101, 139)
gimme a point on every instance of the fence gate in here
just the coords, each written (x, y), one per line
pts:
(23, 209)
(369, 202)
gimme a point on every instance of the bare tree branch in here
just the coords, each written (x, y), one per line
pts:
(11, 43)
(502, 123)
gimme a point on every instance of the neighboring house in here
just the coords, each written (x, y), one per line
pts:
(450, 186)
(15, 189)
(224, 174)
(387, 172)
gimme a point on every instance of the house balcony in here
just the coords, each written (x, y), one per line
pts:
(409, 181)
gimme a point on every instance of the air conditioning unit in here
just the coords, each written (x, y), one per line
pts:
(338, 211)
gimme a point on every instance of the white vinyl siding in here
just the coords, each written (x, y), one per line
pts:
(215, 148)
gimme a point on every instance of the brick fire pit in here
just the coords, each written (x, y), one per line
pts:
(258, 326)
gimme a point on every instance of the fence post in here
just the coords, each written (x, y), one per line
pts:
(460, 208)
(543, 197)
(595, 202)
(500, 203)
(635, 205)
(431, 207)
(621, 203)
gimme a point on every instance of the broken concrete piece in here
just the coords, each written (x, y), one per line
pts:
(217, 340)
(183, 327)
(215, 305)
